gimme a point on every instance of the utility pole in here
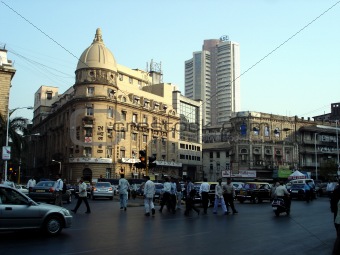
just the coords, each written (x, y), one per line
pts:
(146, 160)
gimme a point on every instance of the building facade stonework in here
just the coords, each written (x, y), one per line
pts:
(98, 127)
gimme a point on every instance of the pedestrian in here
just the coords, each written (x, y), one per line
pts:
(334, 204)
(173, 195)
(179, 195)
(330, 188)
(58, 190)
(204, 193)
(31, 183)
(189, 200)
(166, 198)
(219, 198)
(123, 187)
(336, 247)
(308, 192)
(134, 191)
(229, 195)
(82, 196)
(149, 193)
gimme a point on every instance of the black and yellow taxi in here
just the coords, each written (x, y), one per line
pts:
(255, 192)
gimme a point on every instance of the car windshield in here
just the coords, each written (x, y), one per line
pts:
(45, 184)
(297, 186)
(249, 186)
(103, 185)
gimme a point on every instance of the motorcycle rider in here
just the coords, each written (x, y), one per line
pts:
(282, 192)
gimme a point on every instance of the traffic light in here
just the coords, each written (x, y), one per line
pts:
(152, 160)
(142, 158)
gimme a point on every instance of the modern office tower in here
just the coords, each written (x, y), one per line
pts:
(213, 76)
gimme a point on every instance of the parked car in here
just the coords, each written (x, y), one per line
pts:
(255, 192)
(102, 189)
(19, 212)
(22, 188)
(44, 191)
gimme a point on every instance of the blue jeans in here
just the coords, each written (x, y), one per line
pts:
(123, 200)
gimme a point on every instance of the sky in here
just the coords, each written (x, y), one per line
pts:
(289, 48)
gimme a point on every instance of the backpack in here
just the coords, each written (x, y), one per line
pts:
(64, 188)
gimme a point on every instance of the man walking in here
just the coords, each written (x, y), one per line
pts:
(149, 192)
(219, 198)
(59, 191)
(123, 187)
(166, 198)
(190, 195)
(204, 193)
(228, 195)
(82, 196)
(31, 183)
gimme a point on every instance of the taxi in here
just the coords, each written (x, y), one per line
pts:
(254, 192)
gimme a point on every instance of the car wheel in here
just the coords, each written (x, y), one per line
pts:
(277, 213)
(111, 198)
(53, 225)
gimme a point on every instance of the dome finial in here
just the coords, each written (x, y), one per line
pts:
(98, 36)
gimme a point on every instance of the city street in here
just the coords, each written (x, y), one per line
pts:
(255, 230)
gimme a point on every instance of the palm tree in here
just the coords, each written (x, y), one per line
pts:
(16, 132)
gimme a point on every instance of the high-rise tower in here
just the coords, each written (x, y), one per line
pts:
(212, 75)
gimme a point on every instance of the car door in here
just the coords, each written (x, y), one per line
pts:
(264, 191)
(16, 211)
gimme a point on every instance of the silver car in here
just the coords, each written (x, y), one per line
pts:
(102, 189)
(18, 211)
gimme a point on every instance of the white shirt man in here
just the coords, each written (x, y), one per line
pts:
(31, 183)
(281, 190)
(149, 192)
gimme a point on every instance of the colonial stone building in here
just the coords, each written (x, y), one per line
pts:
(258, 145)
(7, 72)
(98, 127)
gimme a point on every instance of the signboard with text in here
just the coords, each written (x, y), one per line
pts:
(6, 152)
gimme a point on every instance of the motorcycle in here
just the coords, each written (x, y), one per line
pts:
(279, 206)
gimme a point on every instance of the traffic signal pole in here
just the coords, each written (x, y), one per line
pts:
(146, 161)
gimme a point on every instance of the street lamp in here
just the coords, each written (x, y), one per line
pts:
(9, 112)
(316, 158)
(59, 165)
(19, 169)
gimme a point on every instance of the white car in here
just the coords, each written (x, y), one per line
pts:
(22, 188)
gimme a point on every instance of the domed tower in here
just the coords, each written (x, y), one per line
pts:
(97, 64)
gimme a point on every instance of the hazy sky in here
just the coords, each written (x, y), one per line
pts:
(298, 39)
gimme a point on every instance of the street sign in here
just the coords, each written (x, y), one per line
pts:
(6, 152)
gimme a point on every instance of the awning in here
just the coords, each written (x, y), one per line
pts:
(167, 163)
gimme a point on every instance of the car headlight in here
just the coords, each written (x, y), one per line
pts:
(66, 212)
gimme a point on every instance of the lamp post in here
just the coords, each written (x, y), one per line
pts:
(19, 169)
(337, 147)
(9, 112)
(59, 165)
(316, 157)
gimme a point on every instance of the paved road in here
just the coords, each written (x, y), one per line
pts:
(255, 230)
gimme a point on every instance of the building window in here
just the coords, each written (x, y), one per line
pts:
(109, 152)
(89, 110)
(218, 166)
(198, 148)
(146, 104)
(134, 136)
(211, 154)
(181, 156)
(110, 112)
(121, 135)
(227, 166)
(211, 167)
(123, 115)
(198, 158)
(88, 132)
(122, 153)
(130, 80)
(48, 95)
(217, 154)
(136, 100)
(134, 118)
(120, 77)
(145, 138)
(163, 141)
(182, 145)
(227, 154)
(110, 93)
(173, 147)
(108, 173)
(87, 152)
(90, 91)
(173, 132)
(145, 119)
(139, 82)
